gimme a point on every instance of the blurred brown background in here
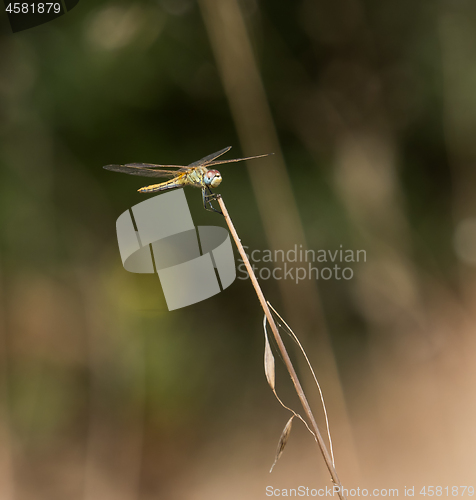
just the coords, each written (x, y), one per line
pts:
(370, 109)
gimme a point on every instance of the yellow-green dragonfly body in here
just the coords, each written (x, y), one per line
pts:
(198, 174)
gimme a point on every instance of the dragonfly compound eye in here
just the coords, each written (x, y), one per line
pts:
(214, 178)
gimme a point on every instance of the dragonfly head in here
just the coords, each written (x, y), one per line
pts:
(213, 178)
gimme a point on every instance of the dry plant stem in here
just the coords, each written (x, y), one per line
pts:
(282, 349)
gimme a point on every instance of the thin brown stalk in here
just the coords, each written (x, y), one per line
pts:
(239, 70)
(283, 351)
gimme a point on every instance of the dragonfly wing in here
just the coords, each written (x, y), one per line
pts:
(221, 162)
(151, 170)
(131, 169)
(209, 158)
(152, 165)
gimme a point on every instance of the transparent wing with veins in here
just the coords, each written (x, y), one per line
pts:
(152, 170)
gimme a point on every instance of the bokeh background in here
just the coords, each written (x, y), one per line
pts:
(370, 109)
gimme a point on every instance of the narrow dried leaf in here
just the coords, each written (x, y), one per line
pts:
(283, 441)
(268, 360)
(288, 329)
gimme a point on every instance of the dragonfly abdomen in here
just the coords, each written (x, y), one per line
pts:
(172, 184)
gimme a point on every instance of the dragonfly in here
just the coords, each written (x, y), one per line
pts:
(199, 174)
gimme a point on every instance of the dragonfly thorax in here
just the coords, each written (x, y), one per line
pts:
(212, 178)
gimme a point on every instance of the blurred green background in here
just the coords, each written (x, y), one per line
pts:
(370, 109)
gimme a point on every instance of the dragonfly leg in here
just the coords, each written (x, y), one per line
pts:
(208, 198)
